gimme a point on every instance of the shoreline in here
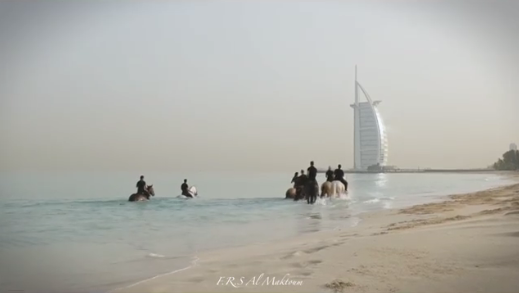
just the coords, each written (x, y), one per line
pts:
(296, 256)
(434, 171)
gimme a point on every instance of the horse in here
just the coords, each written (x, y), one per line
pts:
(191, 192)
(332, 189)
(141, 197)
(291, 193)
(311, 191)
(300, 192)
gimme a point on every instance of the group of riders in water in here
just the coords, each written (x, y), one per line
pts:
(305, 186)
(144, 191)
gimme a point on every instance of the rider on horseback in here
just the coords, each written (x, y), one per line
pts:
(302, 178)
(339, 175)
(312, 172)
(141, 186)
(295, 179)
(312, 175)
(299, 184)
(329, 174)
(184, 187)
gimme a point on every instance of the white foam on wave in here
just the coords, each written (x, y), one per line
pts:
(194, 263)
(344, 196)
(328, 201)
(374, 200)
(378, 199)
(156, 255)
(323, 201)
(387, 205)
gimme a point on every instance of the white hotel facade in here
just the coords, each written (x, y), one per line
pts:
(370, 137)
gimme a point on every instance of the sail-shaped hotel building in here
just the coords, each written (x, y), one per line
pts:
(370, 138)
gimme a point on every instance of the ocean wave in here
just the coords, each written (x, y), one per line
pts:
(387, 205)
(378, 199)
(323, 201)
(194, 263)
(374, 200)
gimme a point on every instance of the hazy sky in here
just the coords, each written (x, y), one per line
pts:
(266, 85)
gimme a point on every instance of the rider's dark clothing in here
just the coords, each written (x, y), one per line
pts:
(339, 175)
(140, 186)
(344, 182)
(185, 192)
(312, 173)
(184, 187)
(329, 175)
(303, 179)
(295, 180)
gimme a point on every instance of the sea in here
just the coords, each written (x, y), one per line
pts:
(76, 232)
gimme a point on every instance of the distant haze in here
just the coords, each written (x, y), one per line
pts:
(264, 85)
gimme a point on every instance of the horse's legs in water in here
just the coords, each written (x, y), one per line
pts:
(307, 193)
(300, 193)
(315, 191)
(311, 192)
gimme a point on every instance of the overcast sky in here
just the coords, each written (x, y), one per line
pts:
(257, 85)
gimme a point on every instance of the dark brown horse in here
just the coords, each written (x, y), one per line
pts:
(145, 196)
(299, 192)
(308, 191)
(311, 190)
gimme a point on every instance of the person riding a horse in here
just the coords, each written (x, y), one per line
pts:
(299, 185)
(312, 187)
(185, 189)
(339, 175)
(148, 192)
(329, 174)
(295, 179)
(141, 187)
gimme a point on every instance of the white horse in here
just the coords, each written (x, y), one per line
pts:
(333, 189)
(192, 191)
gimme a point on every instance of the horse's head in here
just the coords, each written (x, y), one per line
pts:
(150, 190)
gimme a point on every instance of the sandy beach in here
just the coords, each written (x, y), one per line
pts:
(468, 243)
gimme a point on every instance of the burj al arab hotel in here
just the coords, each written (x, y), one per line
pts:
(370, 137)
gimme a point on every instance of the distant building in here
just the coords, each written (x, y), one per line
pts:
(370, 137)
(513, 147)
